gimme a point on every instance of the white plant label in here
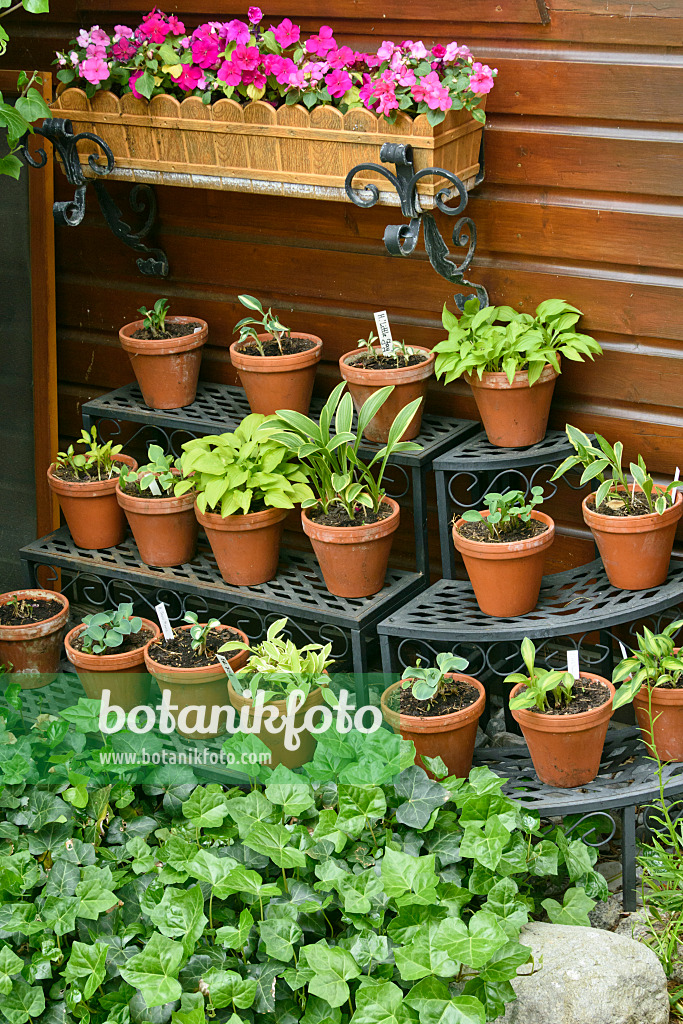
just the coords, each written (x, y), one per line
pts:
(162, 616)
(677, 476)
(573, 663)
(154, 488)
(624, 652)
(384, 332)
(225, 665)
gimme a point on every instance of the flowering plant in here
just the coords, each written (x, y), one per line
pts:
(245, 61)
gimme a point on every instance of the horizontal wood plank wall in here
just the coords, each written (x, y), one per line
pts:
(582, 200)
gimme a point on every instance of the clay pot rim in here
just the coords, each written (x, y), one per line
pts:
(353, 534)
(498, 381)
(314, 699)
(436, 723)
(659, 695)
(564, 723)
(201, 673)
(398, 375)
(154, 506)
(238, 522)
(632, 524)
(163, 346)
(88, 488)
(34, 630)
(106, 662)
(509, 549)
(277, 364)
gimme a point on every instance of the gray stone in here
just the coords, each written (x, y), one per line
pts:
(508, 739)
(608, 914)
(496, 723)
(587, 976)
(482, 739)
(611, 871)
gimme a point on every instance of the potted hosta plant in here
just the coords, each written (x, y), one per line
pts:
(408, 368)
(504, 551)
(188, 666)
(245, 483)
(438, 708)
(349, 519)
(107, 650)
(652, 677)
(163, 523)
(564, 720)
(278, 669)
(633, 522)
(165, 353)
(31, 626)
(511, 361)
(85, 483)
(276, 367)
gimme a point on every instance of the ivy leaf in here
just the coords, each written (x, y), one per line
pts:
(274, 841)
(143, 856)
(382, 1003)
(32, 105)
(62, 879)
(576, 856)
(206, 808)
(59, 913)
(424, 955)
(505, 902)
(94, 899)
(403, 874)
(504, 963)
(332, 967)
(359, 805)
(475, 942)
(493, 995)
(23, 1002)
(236, 937)
(421, 795)
(265, 975)
(10, 965)
(87, 962)
(180, 914)
(319, 1011)
(207, 867)
(84, 716)
(573, 910)
(435, 1005)
(15, 769)
(227, 988)
(155, 970)
(279, 934)
(191, 1009)
(288, 790)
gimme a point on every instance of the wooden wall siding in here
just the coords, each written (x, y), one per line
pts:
(582, 199)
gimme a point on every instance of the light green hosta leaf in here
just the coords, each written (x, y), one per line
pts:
(382, 1003)
(421, 796)
(332, 967)
(274, 841)
(424, 955)
(227, 988)
(23, 1002)
(573, 910)
(475, 942)
(403, 874)
(10, 966)
(154, 971)
(206, 808)
(359, 805)
(435, 1005)
(87, 962)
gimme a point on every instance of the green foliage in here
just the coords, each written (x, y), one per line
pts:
(155, 318)
(99, 456)
(17, 119)
(277, 666)
(505, 511)
(604, 464)
(199, 632)
(156, 476)
(337, 473)
(399, 348)
(540, 683)
(428, 682)
(105, 631)
(309, 898)
(655, 663)
(243, 471)
(267, 321)
(499, 339)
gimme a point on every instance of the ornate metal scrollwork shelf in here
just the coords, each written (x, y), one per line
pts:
(402, 239)
(59, 131)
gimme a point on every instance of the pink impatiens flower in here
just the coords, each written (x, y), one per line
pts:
(255, 15)
(338, 83)
(230, 73)
(286, 34)
(132, 82)
(205, 50)
(190, 78)
(481, 81)
(94, 70)
(453, 51)
(154, 27)
(176, 26)
(387, 49)
(429, 90)
(323, 43)
(236, 31)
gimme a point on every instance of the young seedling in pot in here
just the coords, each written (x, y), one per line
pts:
(199, 633)
(428, 683)
(157, 476)
(399, 348)
(654, 664)
(268, 323)
(99, 456)
(105, 631)
(540, 684)
(20, 608)
(155, 318)
(506, 511)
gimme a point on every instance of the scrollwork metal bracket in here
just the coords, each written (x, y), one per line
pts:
(59, 131)
(402, 239)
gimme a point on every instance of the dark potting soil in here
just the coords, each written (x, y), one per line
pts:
(179, 654)
(479, 532)
(32, 610)
(338, 516)
(381, 362)
(132, 642)
(85, 475)
(290, 346)
(588, 693)
(615, 507)
(456, 696)
(172, 331)
(134, 492)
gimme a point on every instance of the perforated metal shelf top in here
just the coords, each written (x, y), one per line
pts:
(476, 452)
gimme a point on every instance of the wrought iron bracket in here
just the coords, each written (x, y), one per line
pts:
(59, 131)
(402, 239)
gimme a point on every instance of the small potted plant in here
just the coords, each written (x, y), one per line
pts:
(245, 483)
(189, 667)
(633, 523)
(564, 720)
(511, 361)
(164, 524)
(407, 368)
(349, 519)
(165, 353)
(438, 708)
(85, 483)
(504, 551)
(652, 677)
(31, 626)
(107, 650)
(277, 366)
(277, 667)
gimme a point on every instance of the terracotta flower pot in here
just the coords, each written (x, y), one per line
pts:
(566, 749)
(91, 510)
(33, 651)
(514, 415)
(354, 559)
(450, 737)
(410, 382)
(203, 687)
(635, 550)
(167, 369)
(275, 741)
(165, 529)
(246, 548)
(506, 578)
(659, 714)
(124, 674)
(278, 382)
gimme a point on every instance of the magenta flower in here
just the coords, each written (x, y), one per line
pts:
(387, 50)
(286, 34)
(154, 28)
(256, 78)
(323, 43)
(406, 77)
(342, 58)
(338, 83)
(132, 80)
(453, 51)
(439, 51)
(246, 57)
(230, 73)
(481, 82)
(94, 70)
(122, 32)
(255, 15)
(190, 78)
(123, 50)
(429, 90)
(98, 36)
(176, 26)
(236, 31)
(205, 51)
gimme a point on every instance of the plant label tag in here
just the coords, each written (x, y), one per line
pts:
(573, 663)
(624, 652)
(384, 332)
(196, 330)
(677, 476)
(155, 489)
(162, 616)
(225, 665)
